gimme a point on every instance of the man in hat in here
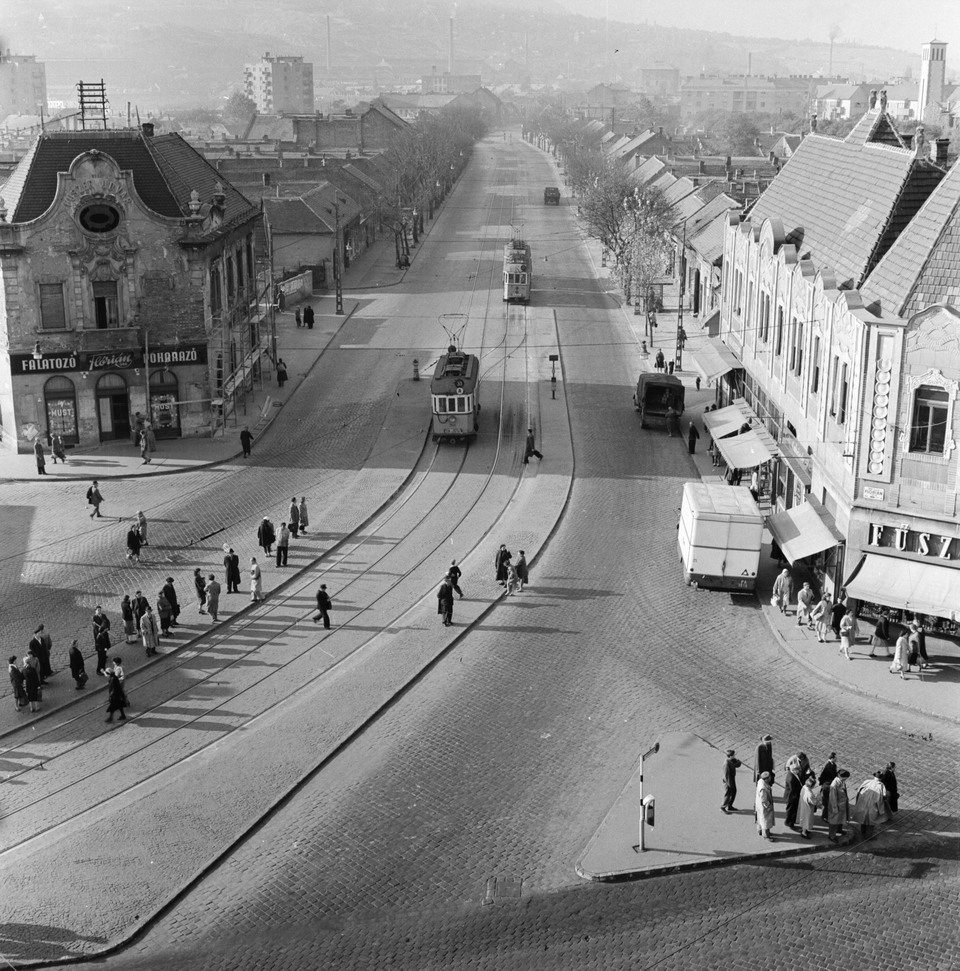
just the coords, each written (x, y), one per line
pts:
(324, 603)
(783, 590)
(763, 760)
(837, 805)
(40, 646)
(730, 781)
(531, 448)
(266, 535)
(171, 595)
(764, 805)
(829, 771)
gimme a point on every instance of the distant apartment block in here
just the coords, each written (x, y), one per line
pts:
(746, 94)
(280, 84)
(447, 83)
(660, 82)
(23, 84)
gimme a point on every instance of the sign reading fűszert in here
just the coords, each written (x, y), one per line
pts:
(913, 541)
(58, 362)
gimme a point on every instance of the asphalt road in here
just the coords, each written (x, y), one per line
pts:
(445, 836)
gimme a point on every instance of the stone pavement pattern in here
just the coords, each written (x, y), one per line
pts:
(499, 764)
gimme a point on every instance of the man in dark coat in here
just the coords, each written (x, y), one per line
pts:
(829, 771)
(266, 536)
(501, 562)
(246, 441)
(531, 447)
(78, 670)
(455, 573)
(139, 604)
(294, 517)
(200, 585)
(171, 596)
(231, 568)
(134, 542)
(17, 681)
(889, 779)
(692, 436)
(101, 638)
(308, 316)
(94, 498)
(730, 781)
(40, 645)
(763, 760)
(116, 697)
(324, 603)
(798, 768)
(445, 601)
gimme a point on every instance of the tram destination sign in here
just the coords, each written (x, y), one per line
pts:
(59, 362)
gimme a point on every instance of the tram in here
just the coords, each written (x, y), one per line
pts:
(517, 271)
(453, 395)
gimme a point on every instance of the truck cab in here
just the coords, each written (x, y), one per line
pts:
(551, 196)
(656, 393)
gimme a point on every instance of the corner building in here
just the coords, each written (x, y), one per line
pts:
(129, 290)
(838, 299)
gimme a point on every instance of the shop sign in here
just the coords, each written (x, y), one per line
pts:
(907, 540)
(873, 493)
(123, 360)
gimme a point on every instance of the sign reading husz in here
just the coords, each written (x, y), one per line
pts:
(55, 363)
(913, 541)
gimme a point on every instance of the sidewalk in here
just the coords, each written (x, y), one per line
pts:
(299, 347)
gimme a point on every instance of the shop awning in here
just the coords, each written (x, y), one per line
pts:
(712, 359)
(747, 449)
(803, 531)
(729, 420)
(923, 588)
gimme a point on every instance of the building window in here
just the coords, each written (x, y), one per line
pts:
(834, 387)
(231, 287)
(815, 371)
(796, 346)
(52, 313)
(239, 269)
(216, 292)
(765, 318)
(844, 388)
(928, 429)
(106, 310)
(778, 350)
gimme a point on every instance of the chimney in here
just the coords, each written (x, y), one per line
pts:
(328, 45)
(660, 131)
(701, 167)
(773, 156)
(450, 54)
(938, 150)
(147, 129)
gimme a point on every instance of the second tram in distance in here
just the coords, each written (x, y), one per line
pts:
(517, 271)
(453, 396)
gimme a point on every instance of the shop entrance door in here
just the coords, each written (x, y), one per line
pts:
(113, 408)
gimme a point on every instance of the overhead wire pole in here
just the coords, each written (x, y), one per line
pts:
(337, 255)
(678, 352)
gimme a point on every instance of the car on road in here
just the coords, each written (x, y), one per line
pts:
(551, 196)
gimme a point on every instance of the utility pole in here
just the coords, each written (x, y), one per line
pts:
(678, 353)
(337, 254)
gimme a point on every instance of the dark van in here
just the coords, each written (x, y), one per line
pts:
(656, 393)
(551, 196)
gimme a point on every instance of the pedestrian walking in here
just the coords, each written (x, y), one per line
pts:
(213, 597)
(821, 617)
(171, 595)
(308, 317)
(101, 638)
(324, 604)
(41, 457)
(266, 536)
(129, 622)
(297, 319)
(782, 590)
(810, 802)
(137, 429)
(116, 696)
(142, 528)
(256, 581)
(764, 805)
(531, 447)
(871, 804)
(304, 518)
(837, 612)
(888, 777)
(918, 648)
(164, 614)
(659, 362)
(94, 498)
(140, 606)
(454, 573)
(200, 585)
(294, 517)
(837, 806)
(41, 646)
(901, 655)
(847, 633)
(829, 771)
(145, 447)
(501, 563)
(231, 569)
(881, 635)
(283, 545)
(149, 633)
(58, 450)
(281, 372)
(133, 544)
(714, 453)
(31, 685)
(805, 600)
(151, 436)
(692, 436)
(763, 759)
(17, 682)
(246, 442)
(797, 770)
(513, 581)
(445, 601)
(78, 670)
(730, 767)
(523, 572)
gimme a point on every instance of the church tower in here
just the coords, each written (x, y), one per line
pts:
(933, 70)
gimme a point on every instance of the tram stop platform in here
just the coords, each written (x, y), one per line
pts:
(689, 832)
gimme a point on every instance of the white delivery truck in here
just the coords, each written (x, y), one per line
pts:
(720, 532)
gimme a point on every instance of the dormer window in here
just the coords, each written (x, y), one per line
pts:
(99, 217)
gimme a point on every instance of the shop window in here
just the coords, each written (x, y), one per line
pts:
(106, 308)
(60, 397)
(928, 428)
(52, 312)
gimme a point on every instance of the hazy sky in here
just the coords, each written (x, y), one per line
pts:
(892, 23)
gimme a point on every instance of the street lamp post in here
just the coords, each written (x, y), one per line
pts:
(337, 254)
(652, 751)
(678, 351)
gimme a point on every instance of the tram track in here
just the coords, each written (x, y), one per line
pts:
(360, 539)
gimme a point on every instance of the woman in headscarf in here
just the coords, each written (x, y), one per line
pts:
(256, 582)
(809, 804)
